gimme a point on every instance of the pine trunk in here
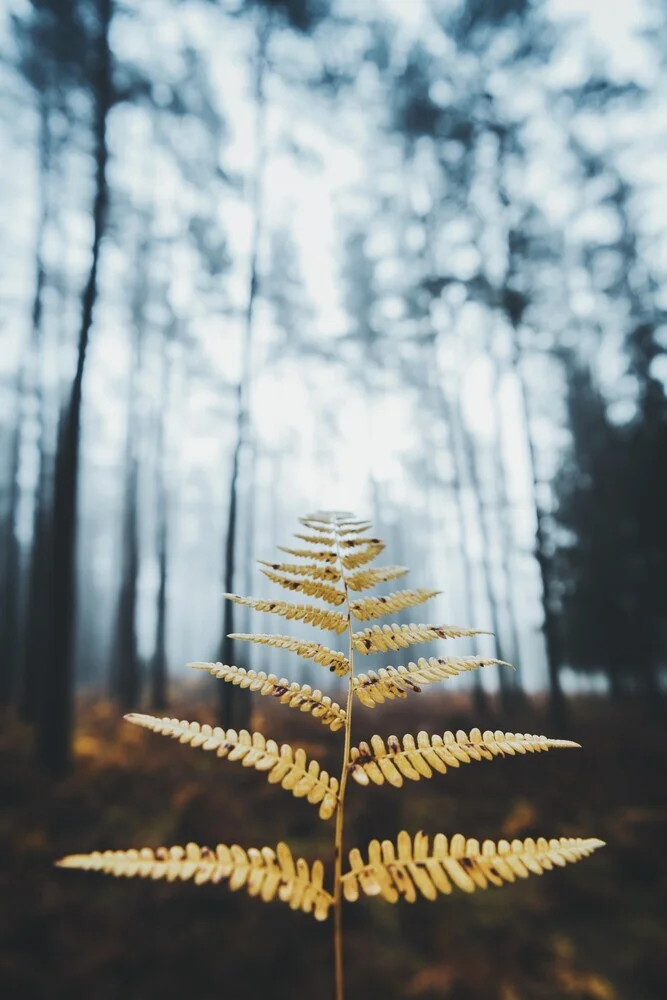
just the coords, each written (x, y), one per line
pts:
(57, 686)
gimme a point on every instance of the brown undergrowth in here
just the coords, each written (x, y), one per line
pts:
(595, 932)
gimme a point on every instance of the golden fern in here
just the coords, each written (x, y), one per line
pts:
(328, 621)
(357, 540)
(415, 759)
(313, 588)
(397, 682)
(284, 766)
(320, 555)
(411, 869)
(288, 693)
(370, 551)
(311, 570)
(367, 578)
(379, 640)
(337, 566)
(314, 540)
(376, 607)
(336, 662)
(264, 872)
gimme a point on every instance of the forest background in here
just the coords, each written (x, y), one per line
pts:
(404, 257)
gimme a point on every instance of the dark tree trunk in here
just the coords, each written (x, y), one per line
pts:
(125, 673)
(444, 406)
(231, 707)
(234, 703)
(40, 622)
(11, 570)
(57, 687)
(468, 448)
(512, 693)
(557, 703)
(158, 668)
(158, 665)
(13, 680)
(126, 678)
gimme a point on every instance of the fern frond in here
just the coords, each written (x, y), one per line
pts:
(288, 693)
(377, 607)
(352, 543)
(329, 621)
(313, 588)
(264, 872)
(321, 527)
(336, 661)
(285, 766)
(329, 516)
(321, 555)
(411, 869)
(397, 682)
(379, 640)
(331, 573)
(317, 539)
(359, 529)
(412, 759)
(362, 556)
(367, 578)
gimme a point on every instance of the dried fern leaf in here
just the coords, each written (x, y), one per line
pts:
(311, 570)
(315, 524)
(329, 516)
(380, 640)
(317, 539)
(357, 540)
(410, 868)
(288, 693)
(264, 872)
(321, 555)
(367, 578)
(415, 759)
(285, 766)
(329, 621)
(397, 682)
(363, 555)
(313, 588)
(357, 529)
(377, 607)
(336, 661)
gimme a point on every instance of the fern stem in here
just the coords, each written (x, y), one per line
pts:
(340, 812)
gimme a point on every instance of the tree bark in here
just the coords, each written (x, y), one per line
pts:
(125, 668)
(557, 703)
(11, 568)
(234, 703)
(57, 687)
(16, 669)
(158, 665)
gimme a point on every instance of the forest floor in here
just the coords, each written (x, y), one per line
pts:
(593, 931)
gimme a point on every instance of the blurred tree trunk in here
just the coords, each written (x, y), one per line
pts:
(158, 664)
(11, 564)
(557, 702)
(234, 704)
(158, 667)
(472, 465)
(513, 303)
(125, 669)
(249, 527)
(57, 687)
(513, 691)
(466, 472)
(39, 621)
